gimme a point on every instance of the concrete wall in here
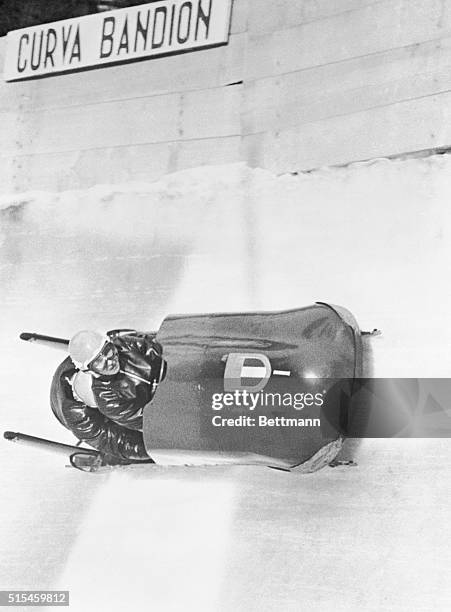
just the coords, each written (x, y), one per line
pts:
(300, 85)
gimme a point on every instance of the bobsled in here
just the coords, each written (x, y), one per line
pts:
(254, 388)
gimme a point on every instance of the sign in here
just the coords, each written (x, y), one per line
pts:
(147, 30)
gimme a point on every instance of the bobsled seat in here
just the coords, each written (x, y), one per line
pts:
(300, 351)
(91, 426)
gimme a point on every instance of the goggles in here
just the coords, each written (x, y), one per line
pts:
(108, 351)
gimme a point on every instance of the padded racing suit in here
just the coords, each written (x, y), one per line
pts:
(114, 427)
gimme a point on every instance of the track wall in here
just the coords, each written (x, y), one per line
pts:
(300, 85)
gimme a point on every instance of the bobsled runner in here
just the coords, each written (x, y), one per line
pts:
(257, 388)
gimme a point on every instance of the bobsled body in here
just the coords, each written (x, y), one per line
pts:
(248, 387)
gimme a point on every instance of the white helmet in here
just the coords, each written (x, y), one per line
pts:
(85, 346)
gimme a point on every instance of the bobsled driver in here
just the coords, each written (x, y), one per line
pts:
(100, 390)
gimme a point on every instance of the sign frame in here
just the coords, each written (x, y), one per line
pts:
(156, 29)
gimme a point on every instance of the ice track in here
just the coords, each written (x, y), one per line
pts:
(371, 237)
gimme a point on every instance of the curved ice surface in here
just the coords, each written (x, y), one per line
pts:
(373, 237)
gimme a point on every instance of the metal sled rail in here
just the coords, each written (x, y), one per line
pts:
(50, 445)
